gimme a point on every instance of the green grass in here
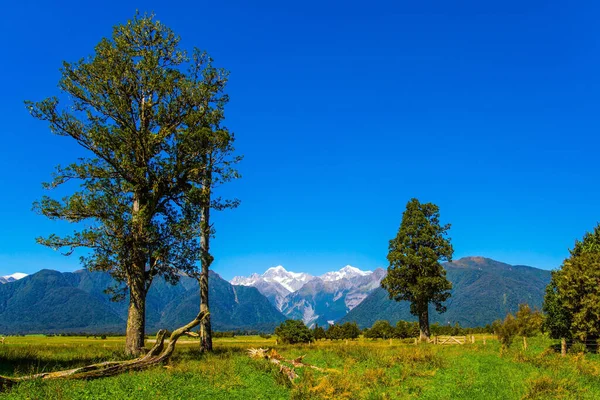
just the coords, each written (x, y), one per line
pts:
(361, 369)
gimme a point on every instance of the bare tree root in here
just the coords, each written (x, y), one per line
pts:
(277, 359)
(158, 354)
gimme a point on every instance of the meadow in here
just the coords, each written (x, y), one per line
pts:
(359, 369)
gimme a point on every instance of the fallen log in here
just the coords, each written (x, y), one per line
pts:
(158, 354)
(277, 359)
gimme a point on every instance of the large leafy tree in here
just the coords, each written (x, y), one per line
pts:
(415, 273)
(147, 115)
(572, 301)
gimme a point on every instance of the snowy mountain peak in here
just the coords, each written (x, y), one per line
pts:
(291, 281)
(348, 272)
(277, 269)
(13, 277)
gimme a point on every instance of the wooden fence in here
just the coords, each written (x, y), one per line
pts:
(447, 340)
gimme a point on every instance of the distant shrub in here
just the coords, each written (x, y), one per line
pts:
(578, 347)
(319, 333)
(103, 337)
(294, 331)
(380, 330)
(507, 331)
(265, 336)
(227, 334)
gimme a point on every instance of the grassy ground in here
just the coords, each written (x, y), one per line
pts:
(361, 369)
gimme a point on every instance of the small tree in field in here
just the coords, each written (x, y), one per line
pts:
(529, 322)
(350, 330)
(507, 330)
(294, 331)
(415, 273)
(319, 333)
(380, 330)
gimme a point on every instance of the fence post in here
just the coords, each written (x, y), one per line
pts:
(390, 341)
(415, 341)
(484, 340)
(563, 347)
(524, 342)
(472, 339)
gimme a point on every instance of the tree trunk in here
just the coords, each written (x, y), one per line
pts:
(563, 347)
(424, 324)
(136, 280)
(136, 318)
(205, 260)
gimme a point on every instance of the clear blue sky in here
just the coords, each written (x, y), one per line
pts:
(344, 111)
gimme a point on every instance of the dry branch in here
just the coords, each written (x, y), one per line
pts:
(158, 354)
(277, 359)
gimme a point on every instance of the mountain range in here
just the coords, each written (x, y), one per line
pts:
(483, 290)
(315, 300)
(53, 302)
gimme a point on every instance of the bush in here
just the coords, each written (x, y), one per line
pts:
(380, 330)
(319, 333)
(507, 331)
(294, 331)
(265, 336)
(578, 347)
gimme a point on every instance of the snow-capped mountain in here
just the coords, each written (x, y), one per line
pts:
(314, 299)
(320, 301)
(348, 272)
(276, 283)
(13, 277)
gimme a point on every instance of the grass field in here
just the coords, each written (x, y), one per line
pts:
(361, 369)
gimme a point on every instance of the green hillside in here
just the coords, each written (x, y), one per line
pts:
(54, 302)
(483, 290)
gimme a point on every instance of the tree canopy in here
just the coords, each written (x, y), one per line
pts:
(572, 301)
(415, 273)
(147, 114)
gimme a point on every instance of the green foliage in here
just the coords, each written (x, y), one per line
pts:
(557, 321)
(405, 329)
(415, 273)
(579, 292)
(572, 301)
(507, 330)
(149, 118)
(293, 331)
(334, 332)
(319, 333)
(380, 330)
(350, 330)
(589, 244)
(529, 321)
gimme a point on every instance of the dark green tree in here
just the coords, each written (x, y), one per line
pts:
(350, 330)
(294, 331)
(572, 301)
(380, 330)
(557, 321)
(529, 322)
(415, 273)
(145, 113)
(579, 292)
(507, 330)
(319, 333)
(334, 332)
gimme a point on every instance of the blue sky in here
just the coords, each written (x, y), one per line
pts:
(344, 111)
